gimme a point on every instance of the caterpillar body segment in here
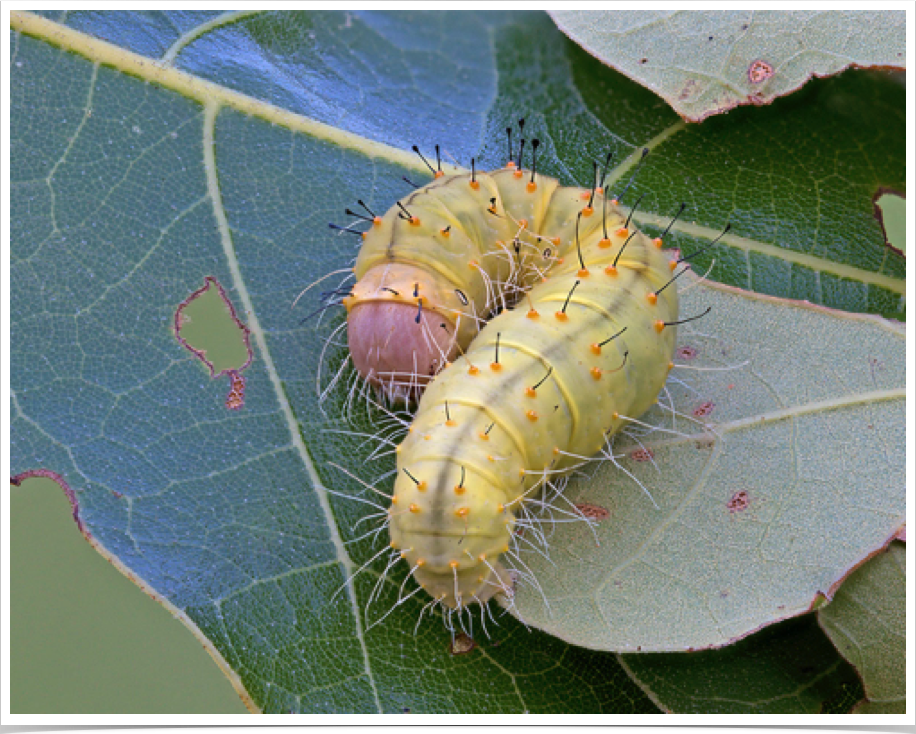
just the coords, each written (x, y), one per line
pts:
(433, 269)
(485, 439)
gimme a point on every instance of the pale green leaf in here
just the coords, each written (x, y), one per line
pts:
(867, 622)
(706, 62)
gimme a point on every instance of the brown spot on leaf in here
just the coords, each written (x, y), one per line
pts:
(688, 91)
(686, 352)
(643, 60)
(739, 502)
(462, 644)
(594, 511)
(759, 71)
(236, 397)
(642, 455)
(704, 409)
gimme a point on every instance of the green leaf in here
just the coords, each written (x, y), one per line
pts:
(132, 181)
(703, 63)
(790, 668)
(867, 622)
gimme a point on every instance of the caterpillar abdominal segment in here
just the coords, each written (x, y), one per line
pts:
(520, 397)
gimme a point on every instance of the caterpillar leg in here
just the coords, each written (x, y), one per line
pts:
(460, 588)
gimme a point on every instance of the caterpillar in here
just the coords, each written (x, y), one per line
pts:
(582, 343)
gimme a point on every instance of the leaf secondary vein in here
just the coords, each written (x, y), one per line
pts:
(794, 411)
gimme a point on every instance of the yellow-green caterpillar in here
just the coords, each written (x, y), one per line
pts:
(583, 342)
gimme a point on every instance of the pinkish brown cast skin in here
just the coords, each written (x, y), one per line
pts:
(390, 345)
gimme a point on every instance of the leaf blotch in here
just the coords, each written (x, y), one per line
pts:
(759, 71)
(739, 502)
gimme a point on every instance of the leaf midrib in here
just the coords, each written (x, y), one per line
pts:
(211, 111)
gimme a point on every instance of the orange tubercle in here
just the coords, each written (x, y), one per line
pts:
(672, 265)
(415, 221)
(510, 164)
(531, 415)
(495, 366)
(483, 436)
(475, 185)
(445, 232)
(622, 232)
(585, 195)
(420, 563)
(561, 316)
(658, 242)
(531, 392)
(472, 370)
(422, 485)
(440, 174)
(610, 270)
(583, 273)
(532, 314)
(531, 187)
(450, 423)
(596, 373)
(652, 298)
(459, 489)
(414, 508)
(462, 512)
(518, 173)
(377, 221)
(604, 243)
(659, 326)
(596, 349)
